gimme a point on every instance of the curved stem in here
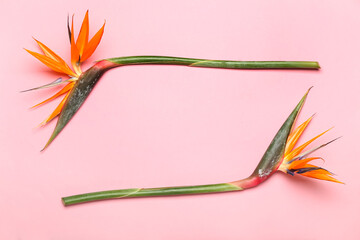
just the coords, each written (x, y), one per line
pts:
(267, 166)
(87, 80)
(193, 62)
(147, 192)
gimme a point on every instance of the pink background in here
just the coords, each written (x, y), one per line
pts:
(152, 126)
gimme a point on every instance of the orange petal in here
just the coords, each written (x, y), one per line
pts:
(83, 37)
(51, 63)
(75, 57)
(320, 175)
(301, 163)
(48, 52)
(296, 151)
(295, 135)
(65, 89)
(92, 45)
(321, 170)
(57, 110)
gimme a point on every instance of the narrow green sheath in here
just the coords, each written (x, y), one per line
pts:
(147, 192)
(193, 62)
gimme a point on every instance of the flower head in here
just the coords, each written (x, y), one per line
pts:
(81, 49)
(296, 160)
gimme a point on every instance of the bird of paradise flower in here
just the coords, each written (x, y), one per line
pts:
(81, 50)
(281, 155)
(80, 84)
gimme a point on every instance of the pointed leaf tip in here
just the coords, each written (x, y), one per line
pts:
(274, 153)
(76, 97)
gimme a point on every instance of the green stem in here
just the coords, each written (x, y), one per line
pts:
(147, 192)
(193, 62)
(87, 81)
(267, 166)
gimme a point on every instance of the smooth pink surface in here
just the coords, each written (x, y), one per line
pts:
(152, 126)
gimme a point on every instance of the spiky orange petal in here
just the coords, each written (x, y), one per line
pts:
(64, 90)
(320, 175)
(295, 135)
(301, 163)
(57, 110)
(51, 63)
(83, 37)
(296, 151)
(48, 52)
(92, 45)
